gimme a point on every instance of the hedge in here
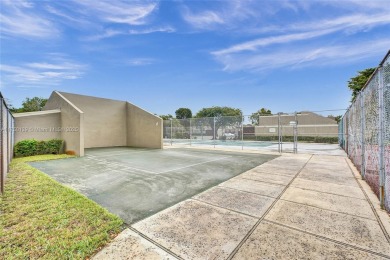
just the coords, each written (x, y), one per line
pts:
(31, 147)
(307, 139)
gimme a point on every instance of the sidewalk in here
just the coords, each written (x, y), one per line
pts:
(295, 206)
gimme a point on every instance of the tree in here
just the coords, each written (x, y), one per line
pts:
(223, 116)
(355, 84)
(262, 112)
(31, 105)
(336, 118)
(183, 113)
(166, 117)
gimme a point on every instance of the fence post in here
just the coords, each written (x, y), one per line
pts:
(295, 133)
(171, 131)
(242, 132)
(214, 131)
(8, 142)
(381, 139)
(1, 147)
(279, 135)
(190, 133)
(362, 125)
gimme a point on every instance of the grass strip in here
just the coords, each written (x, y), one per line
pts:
(41, 218)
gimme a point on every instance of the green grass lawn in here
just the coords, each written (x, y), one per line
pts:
(40, 218)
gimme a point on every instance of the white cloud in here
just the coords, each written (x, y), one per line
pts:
(106, 34)
(262, 42)
(122, 12)
(17, 18)
(203, 19)
(165, 29)
(41, 73)
(348, 24)
(140, 61)
(304, 56)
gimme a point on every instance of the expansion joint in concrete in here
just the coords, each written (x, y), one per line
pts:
(155, 243)
(265, 214)
(312, 206)
(265, 182)
(330, 193)
(327, 239)
(246, 191)
(371, 205)
(215, 206)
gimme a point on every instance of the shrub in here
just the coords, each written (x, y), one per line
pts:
(222, 138)
(181, 135)
(54, 146)
(306, 139)
(33, 147)
(26, 148)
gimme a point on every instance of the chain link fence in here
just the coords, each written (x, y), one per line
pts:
(6, 140)
(283, 132)
(364, 132)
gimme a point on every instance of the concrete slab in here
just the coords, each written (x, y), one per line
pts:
(281, 170)
(266, 177)
(270, 241)
(331, 177)
(261, 188)
(195, 230)
(244, 202)
(285, 164)
(382, 214)
(276, 172)
(347, 205)
(338, 189)
(328, 158)
(130, 245)
(136, 183)
(335, 171)
(360, 232)
(330, 166)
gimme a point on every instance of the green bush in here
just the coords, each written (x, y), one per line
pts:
(26, 148)
(306, 139)
(54, 146)
(222, 138)
(34, 147)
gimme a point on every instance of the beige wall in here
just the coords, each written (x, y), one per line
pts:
(305, 118)
(143, 128)
(72, 122)
(303, 130)
(43, 125)
(104, 120)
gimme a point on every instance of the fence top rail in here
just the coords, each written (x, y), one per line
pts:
(375, 71)
(5, 103)
(385, 58)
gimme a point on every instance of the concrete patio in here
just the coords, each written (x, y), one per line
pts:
(295, 206)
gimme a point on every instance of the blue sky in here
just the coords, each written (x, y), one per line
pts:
(161, 55)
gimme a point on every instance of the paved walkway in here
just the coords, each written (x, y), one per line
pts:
(293, 207)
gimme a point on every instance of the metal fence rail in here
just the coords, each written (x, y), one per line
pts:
(364, 132)
(6, 140)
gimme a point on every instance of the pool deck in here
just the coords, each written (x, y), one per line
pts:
(295, 206)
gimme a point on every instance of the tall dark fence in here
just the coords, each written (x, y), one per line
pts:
(6, 140)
